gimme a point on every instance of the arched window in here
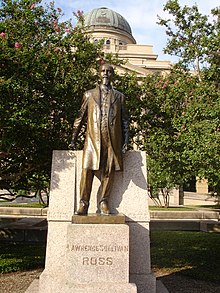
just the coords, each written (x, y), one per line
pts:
(96, 41)
(108, 42)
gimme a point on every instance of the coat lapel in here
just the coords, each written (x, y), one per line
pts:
(113, 96)
(96, 96)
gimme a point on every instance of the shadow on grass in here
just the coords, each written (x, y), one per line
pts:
(192, 254)
(217, 206)
(177, 283)
(21, 256)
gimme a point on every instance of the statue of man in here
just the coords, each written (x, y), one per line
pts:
(106, 139)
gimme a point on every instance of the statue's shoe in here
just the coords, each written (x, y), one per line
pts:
(83, 208)
(104, 208)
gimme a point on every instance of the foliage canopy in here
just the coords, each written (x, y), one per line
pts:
(41, 84)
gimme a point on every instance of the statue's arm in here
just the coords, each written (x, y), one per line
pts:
(78, 122)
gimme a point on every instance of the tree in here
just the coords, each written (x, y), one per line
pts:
(155, 103)
(192, 36)
(183, 135)
(201, 122)
(41, 84)
(177, 117)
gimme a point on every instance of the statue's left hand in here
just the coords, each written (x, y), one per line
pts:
(124, 148)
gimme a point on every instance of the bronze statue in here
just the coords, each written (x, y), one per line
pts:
(106, 139)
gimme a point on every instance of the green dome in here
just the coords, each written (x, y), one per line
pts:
(104, 17)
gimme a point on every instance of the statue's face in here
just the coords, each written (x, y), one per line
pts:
(106, 73)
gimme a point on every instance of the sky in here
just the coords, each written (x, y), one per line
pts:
(140, 14)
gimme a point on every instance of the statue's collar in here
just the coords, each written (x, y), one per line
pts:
(105, 88)
(96, 97)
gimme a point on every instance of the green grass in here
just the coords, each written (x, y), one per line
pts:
(193, 254)
(183, 208)
(24, 205)
(217, 206)
(19, 256)
(156, 208)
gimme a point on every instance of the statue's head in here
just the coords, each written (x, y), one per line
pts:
(106, 73)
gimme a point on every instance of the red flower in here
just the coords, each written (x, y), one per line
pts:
(55, 25)
(17, 45)
(80, 13)
(2, 35)
(165, 84)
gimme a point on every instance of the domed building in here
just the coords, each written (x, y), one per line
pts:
(108, 25)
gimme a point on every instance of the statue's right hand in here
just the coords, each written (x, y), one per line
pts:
(72, 146)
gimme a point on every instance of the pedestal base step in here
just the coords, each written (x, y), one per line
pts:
(99, 219)
(84, 288)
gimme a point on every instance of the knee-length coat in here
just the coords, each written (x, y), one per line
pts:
(117, 127)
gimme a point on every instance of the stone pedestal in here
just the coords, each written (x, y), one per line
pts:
(75, 261)
(95, 258)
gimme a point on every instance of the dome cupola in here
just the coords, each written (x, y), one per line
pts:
(107, 20)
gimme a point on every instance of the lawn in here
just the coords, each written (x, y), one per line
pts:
(193, 254)
(184, 208)
(19, 256)
(172, 209)
(23, 205)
